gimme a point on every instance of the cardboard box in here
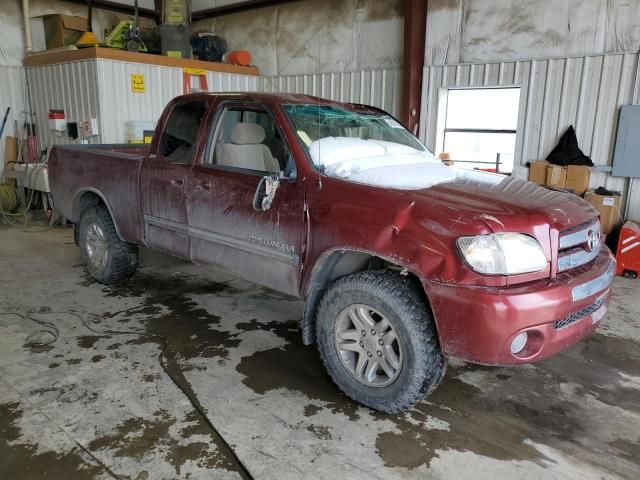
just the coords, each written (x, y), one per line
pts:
(63, 30)
(538, 171)
(10, 150)
(556, 176)
(578, 178)
(609, 208)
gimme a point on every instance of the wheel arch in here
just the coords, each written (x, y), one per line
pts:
(337, 263)
(87, 198)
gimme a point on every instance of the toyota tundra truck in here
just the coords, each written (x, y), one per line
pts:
(402, 261)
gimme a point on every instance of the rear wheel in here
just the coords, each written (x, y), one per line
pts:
(109, 259)
(378, 341)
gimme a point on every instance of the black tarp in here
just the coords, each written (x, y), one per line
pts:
(567, 151)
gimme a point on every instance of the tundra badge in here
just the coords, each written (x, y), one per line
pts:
(271, 243)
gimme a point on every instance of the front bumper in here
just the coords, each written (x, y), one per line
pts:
(478, 324)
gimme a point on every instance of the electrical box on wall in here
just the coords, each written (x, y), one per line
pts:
(57, 121)
(90, 128)
(626, 157)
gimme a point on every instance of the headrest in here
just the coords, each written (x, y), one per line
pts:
(247, 134)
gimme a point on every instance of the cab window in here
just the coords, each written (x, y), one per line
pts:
(178, 141)
(247, 138)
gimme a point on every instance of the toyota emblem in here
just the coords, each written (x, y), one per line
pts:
(593, 240)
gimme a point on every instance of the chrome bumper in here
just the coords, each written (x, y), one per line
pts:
(596, 285)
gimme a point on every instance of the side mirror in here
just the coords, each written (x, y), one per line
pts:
(265, 192)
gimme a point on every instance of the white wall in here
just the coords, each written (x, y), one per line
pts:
(575, 60)
(315, 36)
(482, 31)
(12, 51)
(380, 87)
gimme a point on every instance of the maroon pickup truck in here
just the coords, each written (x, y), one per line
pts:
(402, 261)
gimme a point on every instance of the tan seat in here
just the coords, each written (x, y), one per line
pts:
(246, 150)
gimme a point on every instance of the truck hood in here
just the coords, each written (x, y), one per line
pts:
(504, 203)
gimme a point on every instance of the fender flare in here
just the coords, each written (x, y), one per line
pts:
(76, 205)
(320, 278)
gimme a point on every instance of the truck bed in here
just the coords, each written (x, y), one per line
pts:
(110, 171)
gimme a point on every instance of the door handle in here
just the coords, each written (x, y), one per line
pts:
(176, 182)
(203, 186)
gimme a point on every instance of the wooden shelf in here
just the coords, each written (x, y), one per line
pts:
(65, 56)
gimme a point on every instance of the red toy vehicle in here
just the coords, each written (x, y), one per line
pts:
(402, 261)
(628, 252)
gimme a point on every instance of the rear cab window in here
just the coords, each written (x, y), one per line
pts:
(178, 143)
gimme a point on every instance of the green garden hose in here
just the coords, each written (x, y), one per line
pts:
(8, 198)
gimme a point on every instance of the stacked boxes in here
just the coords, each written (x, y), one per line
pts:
(572, 177)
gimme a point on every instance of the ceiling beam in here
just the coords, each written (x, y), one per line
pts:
(236, 8)
(115, 7)
(415, 31)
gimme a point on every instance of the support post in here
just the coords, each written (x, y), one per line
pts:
(415, 30)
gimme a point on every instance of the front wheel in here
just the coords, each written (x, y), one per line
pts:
(377, 338)
(109, 259)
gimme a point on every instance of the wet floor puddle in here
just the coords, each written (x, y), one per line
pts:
(517, 408)
(502, 416)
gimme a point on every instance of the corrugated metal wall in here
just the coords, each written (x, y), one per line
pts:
(584, 91)
(381, 88)
(72, 87)
(161, 85)
(555, 93)
(101, 89)
(12, 94)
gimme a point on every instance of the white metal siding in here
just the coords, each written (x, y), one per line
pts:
(119, 104)
(585, 92)
(71, 87)
(161, 85)
(12, 94)
(101, 89)
(380, 88)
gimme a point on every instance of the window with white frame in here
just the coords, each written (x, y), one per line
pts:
(480, 127)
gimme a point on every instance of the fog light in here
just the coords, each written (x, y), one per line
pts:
(519, 342)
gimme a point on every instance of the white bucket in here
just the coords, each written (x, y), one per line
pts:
(134, 130)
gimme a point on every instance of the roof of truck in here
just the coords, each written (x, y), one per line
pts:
(274, 98)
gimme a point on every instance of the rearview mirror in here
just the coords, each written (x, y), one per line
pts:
(265, 192)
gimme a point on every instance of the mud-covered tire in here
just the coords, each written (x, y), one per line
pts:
(121, 258)
(398, 299)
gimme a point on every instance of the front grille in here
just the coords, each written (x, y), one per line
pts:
(579, 315)
(576, 246)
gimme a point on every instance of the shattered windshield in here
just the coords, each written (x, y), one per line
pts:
(313, 122)
(365, 147)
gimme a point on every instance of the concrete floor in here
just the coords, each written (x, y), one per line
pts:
(99, 405)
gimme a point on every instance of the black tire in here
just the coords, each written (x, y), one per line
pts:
(122, 257)
(398, 299)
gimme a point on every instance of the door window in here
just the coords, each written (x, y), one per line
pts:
(178, 141)
(247, 138)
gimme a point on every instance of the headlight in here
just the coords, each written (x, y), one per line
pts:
(502, 253)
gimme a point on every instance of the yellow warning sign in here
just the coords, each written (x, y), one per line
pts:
(137, 83)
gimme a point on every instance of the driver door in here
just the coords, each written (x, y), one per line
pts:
(225, 230)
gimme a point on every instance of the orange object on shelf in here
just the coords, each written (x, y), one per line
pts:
(238, 57)
(628, 252)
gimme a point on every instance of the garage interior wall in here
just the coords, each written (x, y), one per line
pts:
(381, 87)
(345, 50)
(315, 36)
(572, 69)
(576, 62)
(12, 50)
(86, 89)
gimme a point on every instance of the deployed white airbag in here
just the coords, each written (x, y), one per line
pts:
(379, 163)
